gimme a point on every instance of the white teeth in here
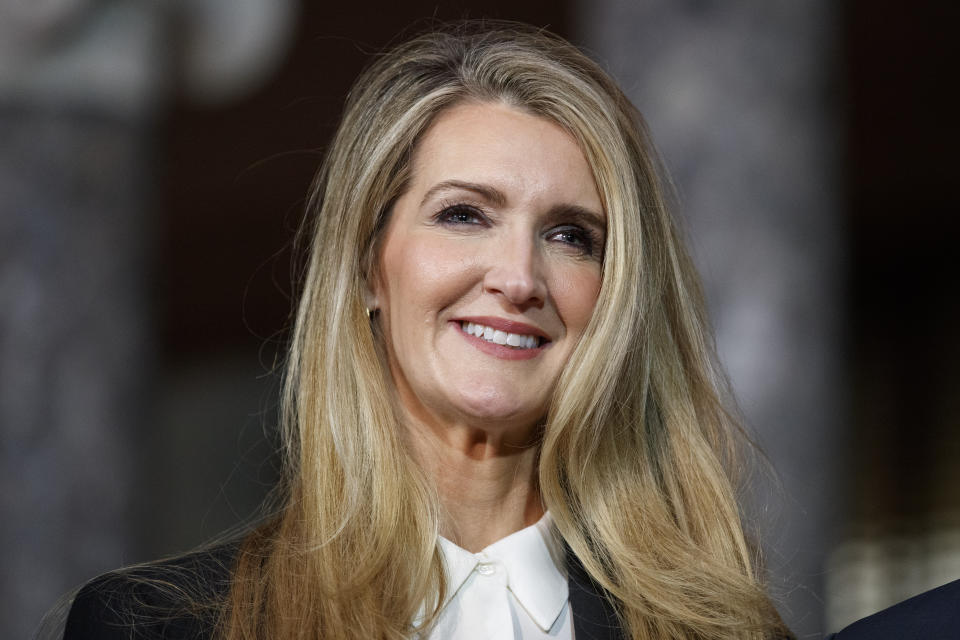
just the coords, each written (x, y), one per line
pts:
(500, 337)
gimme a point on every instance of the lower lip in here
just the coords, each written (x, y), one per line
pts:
(498, 350)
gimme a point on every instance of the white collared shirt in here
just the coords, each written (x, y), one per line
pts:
(516, 588)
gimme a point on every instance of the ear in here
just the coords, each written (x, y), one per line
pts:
(371, 292)
(370, 300)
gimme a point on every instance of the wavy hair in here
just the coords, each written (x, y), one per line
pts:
(639, 454)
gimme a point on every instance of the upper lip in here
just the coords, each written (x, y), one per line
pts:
(510, 326)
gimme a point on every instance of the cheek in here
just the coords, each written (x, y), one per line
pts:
(575, 293)
(422, 277)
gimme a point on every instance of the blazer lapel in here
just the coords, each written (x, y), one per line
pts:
(593, 616)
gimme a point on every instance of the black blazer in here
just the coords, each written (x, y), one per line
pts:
(130, 604)
(934, 615)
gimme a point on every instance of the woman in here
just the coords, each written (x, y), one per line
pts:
(500, 369)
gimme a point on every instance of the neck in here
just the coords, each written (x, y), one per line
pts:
(487, 485)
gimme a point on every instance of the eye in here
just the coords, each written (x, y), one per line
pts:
(460, 214)
(582, 241)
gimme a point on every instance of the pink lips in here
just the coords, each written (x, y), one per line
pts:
(510, 326)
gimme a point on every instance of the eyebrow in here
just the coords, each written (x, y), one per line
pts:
(497, 198)
(578, 214)
(487, 192)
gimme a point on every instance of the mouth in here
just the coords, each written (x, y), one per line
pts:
(511, 340)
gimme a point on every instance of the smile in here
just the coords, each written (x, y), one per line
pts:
(496, 336)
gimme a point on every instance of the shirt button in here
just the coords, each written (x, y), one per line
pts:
(486, 569)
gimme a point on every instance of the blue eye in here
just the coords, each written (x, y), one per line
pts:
(460, 214)
(577, 238)
(572, 236)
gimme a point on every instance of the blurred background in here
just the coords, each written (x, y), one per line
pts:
(154, 159)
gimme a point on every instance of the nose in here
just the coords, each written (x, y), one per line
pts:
(515, 272)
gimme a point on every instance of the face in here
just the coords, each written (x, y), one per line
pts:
(489, 269)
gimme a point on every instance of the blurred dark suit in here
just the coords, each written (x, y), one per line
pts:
(934, 615)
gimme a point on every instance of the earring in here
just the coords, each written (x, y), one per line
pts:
(372, 313)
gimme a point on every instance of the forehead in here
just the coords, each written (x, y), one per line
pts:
(494, 143)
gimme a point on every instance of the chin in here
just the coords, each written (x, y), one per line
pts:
(497, 410)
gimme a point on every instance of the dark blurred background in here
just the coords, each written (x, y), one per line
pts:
(154, 159)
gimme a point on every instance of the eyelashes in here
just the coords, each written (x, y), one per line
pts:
(577, 236)
(460, 214)
(578, 239)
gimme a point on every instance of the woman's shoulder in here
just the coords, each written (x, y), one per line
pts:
(933, 615)
(179, 598)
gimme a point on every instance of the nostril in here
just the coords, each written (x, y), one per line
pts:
(518, 290)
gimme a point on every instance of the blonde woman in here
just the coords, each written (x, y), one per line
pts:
(502, 414)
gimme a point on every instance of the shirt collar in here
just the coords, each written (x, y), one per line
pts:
(533, 559)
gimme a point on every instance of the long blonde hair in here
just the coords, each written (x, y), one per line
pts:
(638, 452)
